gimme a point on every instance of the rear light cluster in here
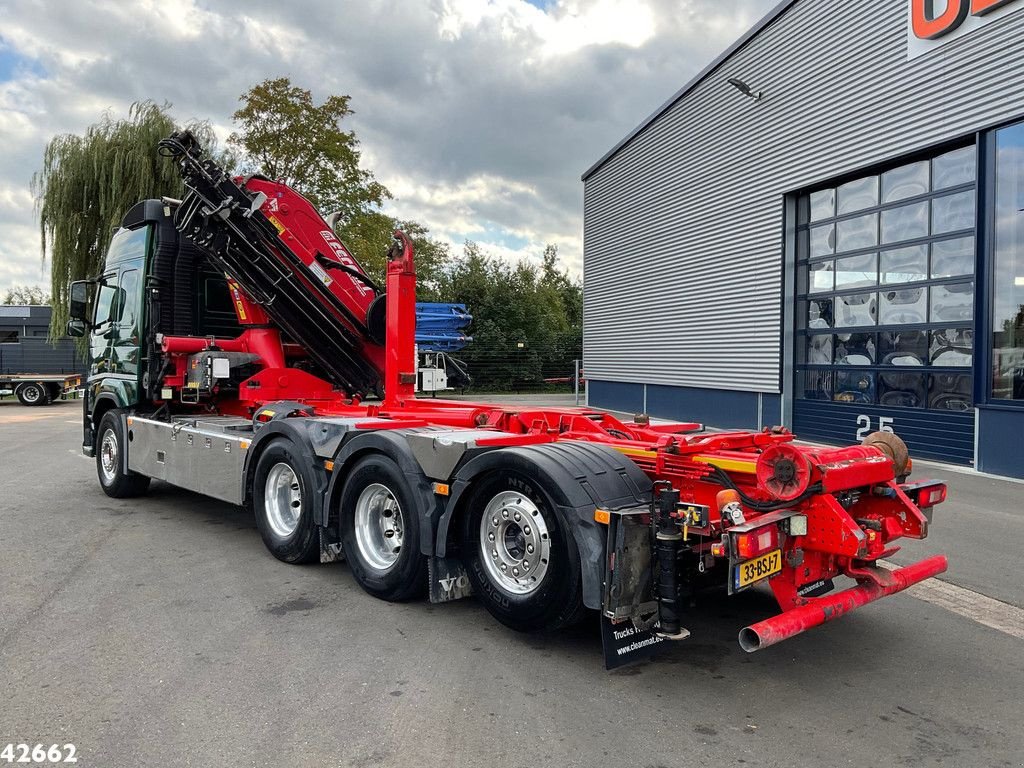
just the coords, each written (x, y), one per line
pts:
(931, 495)
(756, 542)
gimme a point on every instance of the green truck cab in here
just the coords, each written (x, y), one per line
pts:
(152, 282)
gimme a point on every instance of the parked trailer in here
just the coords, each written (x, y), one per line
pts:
(289, 388)
(39, 388)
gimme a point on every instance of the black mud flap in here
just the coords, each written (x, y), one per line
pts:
(448, 579)
(624, 643)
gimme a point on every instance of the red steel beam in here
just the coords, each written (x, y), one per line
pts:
(821, 609)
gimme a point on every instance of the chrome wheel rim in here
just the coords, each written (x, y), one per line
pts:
(283, 499)
(515, 545)
(32, 393)
(380, 527)
(108, 455)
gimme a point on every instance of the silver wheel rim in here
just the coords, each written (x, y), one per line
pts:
(283, 495)
(515, 545)
(32, 393)
(108, 455)
(379, 527)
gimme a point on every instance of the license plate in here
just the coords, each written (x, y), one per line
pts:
(759, 568)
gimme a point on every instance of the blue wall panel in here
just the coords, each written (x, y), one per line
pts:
(713, 407)
(616, 396)
(945, 436)
(1001, 441)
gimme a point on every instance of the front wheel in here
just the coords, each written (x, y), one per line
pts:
(520, 558)
(32, 393)
(380, 530)
(116, 481)
(283, 504)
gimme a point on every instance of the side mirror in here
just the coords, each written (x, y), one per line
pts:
(79, 304)
(76, 328)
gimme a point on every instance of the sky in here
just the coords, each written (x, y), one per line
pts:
(479, 116)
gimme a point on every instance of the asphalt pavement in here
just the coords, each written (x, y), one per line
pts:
(158, 631)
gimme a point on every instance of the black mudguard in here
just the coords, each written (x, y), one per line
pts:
(578, 477)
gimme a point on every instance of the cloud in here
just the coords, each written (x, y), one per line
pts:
(479, 116)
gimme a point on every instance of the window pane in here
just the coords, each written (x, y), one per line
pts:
(953, 212)
(854, 386)
(819, 313)
(951, 258)
(908, 305)
(908, 222)
(130, 297)
(952, 168)
(857, 271)
(857, 309)
(823, 240)
(901, 390)
(950, 392)
(908, 181)
(1008, 267)
(952, 347)
(820, 277)
(855, 349)
(819, 349)
(814, 385)
(858, 195)
(904, 265)
(904, 348)
(860, 232)
(823, 204)
(952, 303)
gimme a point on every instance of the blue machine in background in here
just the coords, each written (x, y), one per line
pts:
(441, 327)
(441, 330)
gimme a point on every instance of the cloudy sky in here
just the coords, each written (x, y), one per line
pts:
(479, 116)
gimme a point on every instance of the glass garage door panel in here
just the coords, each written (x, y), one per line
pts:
(885, 307)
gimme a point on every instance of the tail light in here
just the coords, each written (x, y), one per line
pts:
(756, 542)
(927, 493)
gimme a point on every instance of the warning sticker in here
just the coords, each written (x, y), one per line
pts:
(319, 271)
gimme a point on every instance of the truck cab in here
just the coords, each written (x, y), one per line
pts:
(132, 300)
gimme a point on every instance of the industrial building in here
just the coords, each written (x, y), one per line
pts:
(825, 229)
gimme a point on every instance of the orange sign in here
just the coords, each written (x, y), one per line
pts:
(933, 19)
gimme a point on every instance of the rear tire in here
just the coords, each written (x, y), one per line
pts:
(521, 560)
(110, 451)
(283, 504)
(32, 393)
(380, 531)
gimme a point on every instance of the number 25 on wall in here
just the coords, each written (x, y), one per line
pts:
(864, 425)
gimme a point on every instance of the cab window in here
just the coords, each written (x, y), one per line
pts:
(127, 244)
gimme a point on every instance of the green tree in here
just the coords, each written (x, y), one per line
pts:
(527, 318)
(284, 134)
(21, 295)
(88, 182)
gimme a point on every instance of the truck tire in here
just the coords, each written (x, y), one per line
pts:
(110, 448)
(32, 393)
(283, 503)
(380, 531)
(520, 558)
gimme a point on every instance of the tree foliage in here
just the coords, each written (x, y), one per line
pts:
(283, 134)
(88, 182)
(527, 318)
(25, 295)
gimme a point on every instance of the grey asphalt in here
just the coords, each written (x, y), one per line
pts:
(158, 632)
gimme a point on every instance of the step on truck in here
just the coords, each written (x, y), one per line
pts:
(240, 351)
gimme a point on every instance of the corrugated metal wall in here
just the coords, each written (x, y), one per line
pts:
(683, 227)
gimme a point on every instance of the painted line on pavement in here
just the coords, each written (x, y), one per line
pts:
(972, 605)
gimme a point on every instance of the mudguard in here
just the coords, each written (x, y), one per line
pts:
(578, 477)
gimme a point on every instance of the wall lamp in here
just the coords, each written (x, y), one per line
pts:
(745, 89)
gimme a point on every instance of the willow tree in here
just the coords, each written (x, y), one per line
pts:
(88, 182)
